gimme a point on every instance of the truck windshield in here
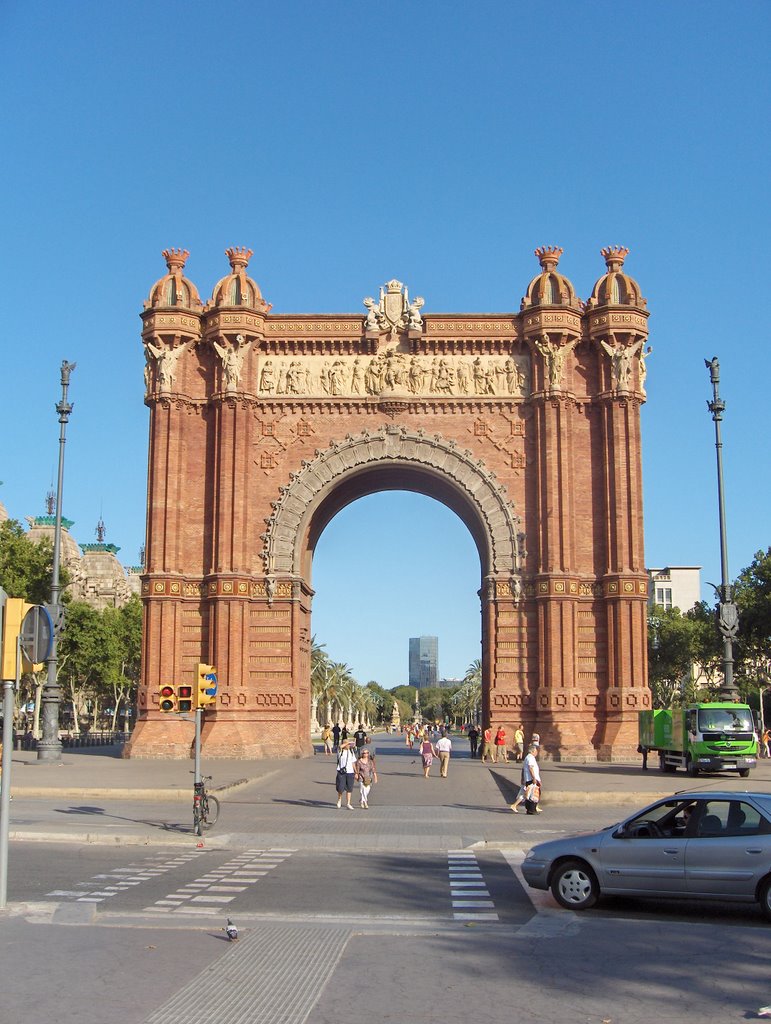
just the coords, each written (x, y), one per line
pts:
(725, 720)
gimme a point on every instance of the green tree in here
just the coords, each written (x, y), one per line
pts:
(124, 624)
(670, 656)
(88, 652)
(25, 566)
(753, 597)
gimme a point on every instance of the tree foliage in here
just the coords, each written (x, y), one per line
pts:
(25, 566)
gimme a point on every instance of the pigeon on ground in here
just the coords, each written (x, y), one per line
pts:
(231, 931)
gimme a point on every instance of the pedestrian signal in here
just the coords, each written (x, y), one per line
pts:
(184, 698)
(167, 699)
(206, 689)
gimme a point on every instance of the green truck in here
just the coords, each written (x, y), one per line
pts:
(701, 738)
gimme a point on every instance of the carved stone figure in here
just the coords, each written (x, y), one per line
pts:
(643, 368)
(375, 318)
(165, 364)
(415, 320)
(357, 377)
(621, 357)
(232, 357)
(268, 377)
(554, 353)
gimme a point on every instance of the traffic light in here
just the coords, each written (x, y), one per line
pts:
(167, 699)
(15, 610)
(184, 698)
(206, 689)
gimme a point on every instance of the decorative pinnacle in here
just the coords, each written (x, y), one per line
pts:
(239, 257)
(175, 259)
(548, 256)
(614, 256)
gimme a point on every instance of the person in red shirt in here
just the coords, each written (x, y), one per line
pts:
(500, 745)
(487, 745)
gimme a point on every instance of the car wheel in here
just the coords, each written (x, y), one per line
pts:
(765, 898)
(574, 885)
(744, 773)
(691, 767)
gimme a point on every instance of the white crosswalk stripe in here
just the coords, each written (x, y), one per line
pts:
(468, 888)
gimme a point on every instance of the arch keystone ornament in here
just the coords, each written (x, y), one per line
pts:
(264, 425)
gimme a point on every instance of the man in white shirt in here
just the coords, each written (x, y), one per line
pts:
(531, 777)
(443, 749)
(346, 769)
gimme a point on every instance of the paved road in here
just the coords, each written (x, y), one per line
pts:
(414, 907)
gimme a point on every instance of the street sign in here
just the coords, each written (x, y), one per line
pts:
(37, 634)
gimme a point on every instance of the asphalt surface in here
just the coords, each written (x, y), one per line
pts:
(413, 907)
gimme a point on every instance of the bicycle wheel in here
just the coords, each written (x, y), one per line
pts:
(211, 810)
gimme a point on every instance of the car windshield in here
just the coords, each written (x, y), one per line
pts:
(725, 720)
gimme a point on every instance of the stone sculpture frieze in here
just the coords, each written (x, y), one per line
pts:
(394, 372)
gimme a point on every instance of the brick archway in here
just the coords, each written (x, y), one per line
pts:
(264, 425)
(392, 457)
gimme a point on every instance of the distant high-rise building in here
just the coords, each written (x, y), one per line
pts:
(424, 658)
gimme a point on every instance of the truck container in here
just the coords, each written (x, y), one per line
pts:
(713, 737)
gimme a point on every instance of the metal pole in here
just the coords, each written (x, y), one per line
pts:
(728, 615)
(5, 790)
(50, 747)
(197, 747)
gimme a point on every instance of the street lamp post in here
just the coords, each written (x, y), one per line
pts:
(49, 747)
(728, 615)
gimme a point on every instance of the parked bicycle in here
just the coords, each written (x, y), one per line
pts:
(206, 807)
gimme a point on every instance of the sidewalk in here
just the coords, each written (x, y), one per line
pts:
(94, 796)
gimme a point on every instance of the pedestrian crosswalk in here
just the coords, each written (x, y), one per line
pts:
(211, 893)
(469, 895)
(104, 886)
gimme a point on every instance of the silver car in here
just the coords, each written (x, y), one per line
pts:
(705, 845)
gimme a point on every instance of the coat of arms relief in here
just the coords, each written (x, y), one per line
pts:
(394, 311)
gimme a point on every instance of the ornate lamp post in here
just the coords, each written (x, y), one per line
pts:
(50, 747)
(728, 615)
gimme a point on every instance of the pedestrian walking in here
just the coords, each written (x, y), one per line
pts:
(326, 739)
(519, 742)
(360, 739)
(444, 749)
(346, 774)
(487, 744)
(427, 754)
(501, 754)
(367, 775)
(530, 787)
(767, 742)
(336, 737)
(473, 740)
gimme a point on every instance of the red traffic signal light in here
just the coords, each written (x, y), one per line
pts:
(184, 698)
(167, 699)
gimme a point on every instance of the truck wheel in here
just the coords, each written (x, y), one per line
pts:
(691, 767)
(765, 898)
(744, 773)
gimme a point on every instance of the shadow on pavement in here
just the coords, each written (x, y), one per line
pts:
(163, 826)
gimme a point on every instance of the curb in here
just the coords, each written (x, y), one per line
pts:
(111, 793)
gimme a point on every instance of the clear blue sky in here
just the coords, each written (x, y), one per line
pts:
(348, 143)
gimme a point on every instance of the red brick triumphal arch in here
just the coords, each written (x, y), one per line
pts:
(264, 425)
